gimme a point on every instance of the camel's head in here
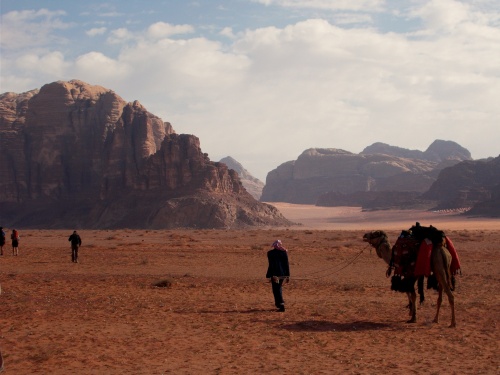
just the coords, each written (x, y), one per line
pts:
(375, 237)
(379, 240)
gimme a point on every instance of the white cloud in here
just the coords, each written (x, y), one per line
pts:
(121, 35)
(272, 92)
(96, 67)
(30, 28)
(228, 32)
(443, 14)
(96, 31)
(196, 71)
(162, 30)
(50, 64)
(452, 16)
(358, 5)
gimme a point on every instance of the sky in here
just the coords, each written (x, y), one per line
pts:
(263, 80)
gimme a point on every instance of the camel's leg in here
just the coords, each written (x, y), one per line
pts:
(451, 300)
(441, 267)
(413, 307)
(408, 294)
(439, 301)
(420, 283)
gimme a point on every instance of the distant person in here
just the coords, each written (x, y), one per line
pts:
(76, 242)
(278, 272)
(15, 242)
(2, 240)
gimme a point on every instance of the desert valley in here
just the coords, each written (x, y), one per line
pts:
(368, 130)
(197, 301)
(171, 273)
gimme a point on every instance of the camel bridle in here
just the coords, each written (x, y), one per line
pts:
(376, 242)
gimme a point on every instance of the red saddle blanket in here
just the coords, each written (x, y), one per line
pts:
(423, 265)
(455, 261)
(412, 258)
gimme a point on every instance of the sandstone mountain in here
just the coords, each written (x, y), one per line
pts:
(438, 151)
(379, 168)
(253, 185)
(473, 184)
(78, 156)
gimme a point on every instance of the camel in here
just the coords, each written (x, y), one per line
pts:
(440, 266)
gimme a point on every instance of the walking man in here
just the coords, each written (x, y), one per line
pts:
(76, 242)
(2, 240)
(278, 272)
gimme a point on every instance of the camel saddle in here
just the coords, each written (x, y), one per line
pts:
(405, 254)
(411, 255)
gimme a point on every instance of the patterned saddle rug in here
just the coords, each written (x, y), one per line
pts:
(404, 256)
(412, 257)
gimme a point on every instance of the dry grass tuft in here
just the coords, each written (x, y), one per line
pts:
(165, 283)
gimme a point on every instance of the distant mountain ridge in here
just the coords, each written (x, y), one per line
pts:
(382, 177)
(76, 155)
(438, 151)
(379, 167)
(252, 184)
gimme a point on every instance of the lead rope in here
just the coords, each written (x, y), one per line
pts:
(347, 263)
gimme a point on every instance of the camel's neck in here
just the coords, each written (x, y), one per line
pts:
(383, 248)
(386, 252)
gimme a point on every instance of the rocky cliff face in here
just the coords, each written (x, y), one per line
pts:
(473, 184)
(253, 185)
(377, 169)
(73, 154)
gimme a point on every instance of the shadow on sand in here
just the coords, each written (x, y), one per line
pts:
(322, 326)
(242, 311)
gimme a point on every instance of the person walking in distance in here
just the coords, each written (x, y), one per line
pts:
(76, 242)
(278, 272)
(2, 240)
(15, 242)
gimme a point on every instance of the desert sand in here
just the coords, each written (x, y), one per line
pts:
(213, 312)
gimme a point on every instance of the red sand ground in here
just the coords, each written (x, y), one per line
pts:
(104, 316)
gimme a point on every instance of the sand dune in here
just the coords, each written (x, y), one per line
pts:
(105, 316)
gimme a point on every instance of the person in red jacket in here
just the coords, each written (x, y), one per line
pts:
(278, 272)
(15, 242)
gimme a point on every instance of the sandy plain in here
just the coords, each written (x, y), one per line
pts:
(214, 312)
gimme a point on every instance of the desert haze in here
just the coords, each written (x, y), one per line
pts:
(197, 301)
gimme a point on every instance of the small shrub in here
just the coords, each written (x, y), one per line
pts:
(165, 283)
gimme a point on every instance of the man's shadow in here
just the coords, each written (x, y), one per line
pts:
(323, 326)
(242, 311)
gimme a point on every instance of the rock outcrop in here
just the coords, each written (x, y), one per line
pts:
(252, 184)
(473, 184)
(320, 171)
(76, 155)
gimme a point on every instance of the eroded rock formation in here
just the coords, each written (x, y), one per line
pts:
(474, 184)
(76, 155)
(379, 168)
(252, 184)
